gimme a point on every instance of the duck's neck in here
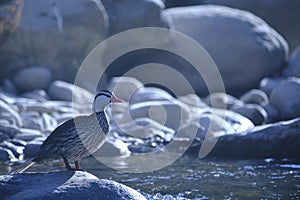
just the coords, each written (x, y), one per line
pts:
(101, 117)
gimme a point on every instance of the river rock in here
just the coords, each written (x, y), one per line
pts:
(63, 185)
(124, 86)
(129, 14)
(267, 85)
(238, 33)
(255, 96)
(194, 101)
(31, 78)
(8, 128)
(9, 113)
(32, 120)
(9, 86)
(171, 114)
(293, 68)
(286, 98)
(222, 100)
(61, 90)
(283, 21)
(272, 113)
(28, 134)
(254, 112)
(3, 137)
(37, 94)
(6, 155)
(150, 94)
(111, 149)
(45, 34)
(15, 149)
(278, 140)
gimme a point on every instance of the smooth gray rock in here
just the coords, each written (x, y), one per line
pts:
(237, 34)
(32, 120)
(32, 148)
(8, 128)
(267, 85)
(282, 15)
(6, 155)
(171, 114)
(37, 94)
(61, 90)
(222, 100)
(9, 86)
(9, 113)
(286, 98)
(63, 185)
(130, 14)
(124, 86)
(255, 96)
(273, 114)
(3, 137)
(28, 134)
(32, 78)
(293, 68)
(45, 34)
(255, 113)
(149, 94)
(15, 149)
(278, 140)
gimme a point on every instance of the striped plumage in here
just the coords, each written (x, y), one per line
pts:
(77, 138)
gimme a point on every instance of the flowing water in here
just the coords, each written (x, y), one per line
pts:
(191, 178)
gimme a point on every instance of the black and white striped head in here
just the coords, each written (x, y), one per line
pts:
(103, 99)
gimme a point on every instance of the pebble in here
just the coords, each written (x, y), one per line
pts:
(149, 94)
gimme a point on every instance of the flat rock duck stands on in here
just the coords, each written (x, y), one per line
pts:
(77, 138)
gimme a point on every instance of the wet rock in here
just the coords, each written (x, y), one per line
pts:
(49, 123)
(63, 185)
(62, 118)
(124, 87)
(112, 148)
(282, 21)
(6, 155)
(193, 100)
(32, 120)
(293, 68)
(138, 13)
(9, 86)
(8, 112)
(60, 90)
(272, 112)
(255, 96)
(149, 94)
(32, 78)
(10, 129)
(3, 137)
(267, 48)
(286, 98)
(32, 148)
(18, 142)
(255, 113)
(54, 24)
(28, 134)
(15, 149)
(171, 114)
(278, 140)
(36, 94)
(222, 100)
(267, 85)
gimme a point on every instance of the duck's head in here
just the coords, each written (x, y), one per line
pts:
(103, 99)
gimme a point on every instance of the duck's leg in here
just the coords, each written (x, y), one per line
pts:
(77, 166)
(67, 164)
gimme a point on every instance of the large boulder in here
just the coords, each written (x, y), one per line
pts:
(282, 15)
(244, 48)
(278, 140)
(57, 34)
(63, 185)
(130, 14)
(293, 68)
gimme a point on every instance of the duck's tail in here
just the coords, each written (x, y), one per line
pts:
(23, 167)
